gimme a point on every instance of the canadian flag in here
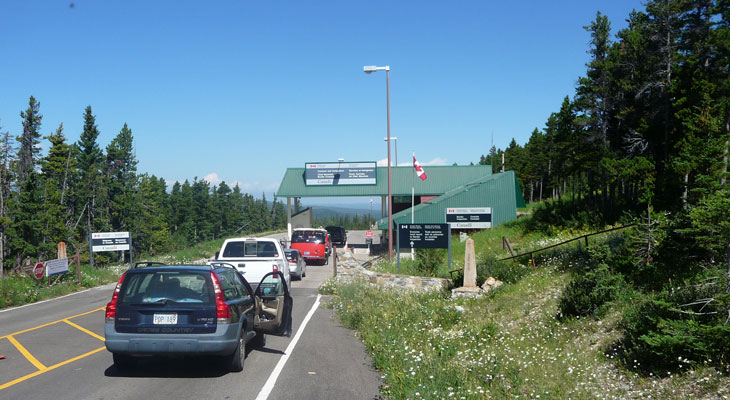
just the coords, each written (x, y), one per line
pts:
(419, 169)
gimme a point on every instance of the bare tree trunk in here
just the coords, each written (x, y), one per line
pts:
(685, 193)
(65, 176)
(2, 254)
(723, 178)
(532, 189)
(580, 185)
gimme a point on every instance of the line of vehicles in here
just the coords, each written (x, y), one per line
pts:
(215, 309)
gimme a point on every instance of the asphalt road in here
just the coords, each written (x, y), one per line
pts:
(55, 350)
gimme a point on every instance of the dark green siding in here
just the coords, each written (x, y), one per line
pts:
(498, 191)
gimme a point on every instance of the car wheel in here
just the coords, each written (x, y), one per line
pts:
(259, 340)
(123, 362)
(237, 358)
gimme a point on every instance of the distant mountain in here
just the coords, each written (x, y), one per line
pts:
(332, 211)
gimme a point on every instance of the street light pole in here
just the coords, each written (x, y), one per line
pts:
(369, 70)
(394, 139)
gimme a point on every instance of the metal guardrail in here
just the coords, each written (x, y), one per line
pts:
(532, 252)
(372, 261)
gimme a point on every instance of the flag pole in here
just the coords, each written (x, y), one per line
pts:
(413, 197)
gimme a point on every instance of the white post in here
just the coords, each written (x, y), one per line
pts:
(288, 219)
(413, 201)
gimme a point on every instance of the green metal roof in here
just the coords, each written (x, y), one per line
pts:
(499, 191)
(440, 180)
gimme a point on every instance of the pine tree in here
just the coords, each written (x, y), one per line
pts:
(237, 212)
(149, 222)
(29, 148)
(121, 172)
(26, 229)
(186, 215)
(57, 171)
(90, 163)
(5, 184)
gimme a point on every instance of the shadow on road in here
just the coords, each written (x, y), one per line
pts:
(188, 367)
(268, 350)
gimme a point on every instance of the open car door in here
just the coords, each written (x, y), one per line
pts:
(273, 305)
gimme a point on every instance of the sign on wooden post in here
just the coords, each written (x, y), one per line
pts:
(110, 241)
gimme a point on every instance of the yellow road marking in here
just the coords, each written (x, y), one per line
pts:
(54, 322)
(82, 329)
(42, 368)
(27, 354)
(52, 367)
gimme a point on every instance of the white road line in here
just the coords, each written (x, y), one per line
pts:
(269, 385)
(43, 301)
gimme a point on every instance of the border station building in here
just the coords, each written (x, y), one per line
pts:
(446, 187)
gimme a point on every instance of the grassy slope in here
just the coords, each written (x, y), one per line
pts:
(504, 345)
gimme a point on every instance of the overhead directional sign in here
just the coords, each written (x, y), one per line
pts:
(469, 217)
(424, 236)
(110, 241)
(340, 173)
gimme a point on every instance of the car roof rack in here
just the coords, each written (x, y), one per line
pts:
(148, 264)
(223, 264)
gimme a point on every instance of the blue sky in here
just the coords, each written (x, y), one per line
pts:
(240, 90)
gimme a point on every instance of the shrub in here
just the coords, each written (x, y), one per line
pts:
(591, 292)
(428, 261)
(676, 327)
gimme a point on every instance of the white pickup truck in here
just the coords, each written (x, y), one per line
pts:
(254, 258)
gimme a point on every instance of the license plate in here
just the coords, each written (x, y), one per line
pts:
(164, 319)
(306, 252)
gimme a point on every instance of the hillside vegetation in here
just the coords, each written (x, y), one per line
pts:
(585, 323)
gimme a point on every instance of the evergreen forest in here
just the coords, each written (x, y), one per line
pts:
(78, 188)
(644, 139)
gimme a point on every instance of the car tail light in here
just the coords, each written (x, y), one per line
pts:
(222, 312)
(275, 268)
(111, 307)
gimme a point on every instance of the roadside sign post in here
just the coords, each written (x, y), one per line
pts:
(38, 270)
(78, 264)
(397, 247)
(425, 236)
(110, 241)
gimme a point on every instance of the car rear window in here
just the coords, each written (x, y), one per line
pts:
(291, 255)
(251, 248)
(307, 237)
(334, 230)
(151, 287)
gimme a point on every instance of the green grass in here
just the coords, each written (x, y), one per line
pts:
(16, 290)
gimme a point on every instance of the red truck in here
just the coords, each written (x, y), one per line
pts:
(313, 244)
